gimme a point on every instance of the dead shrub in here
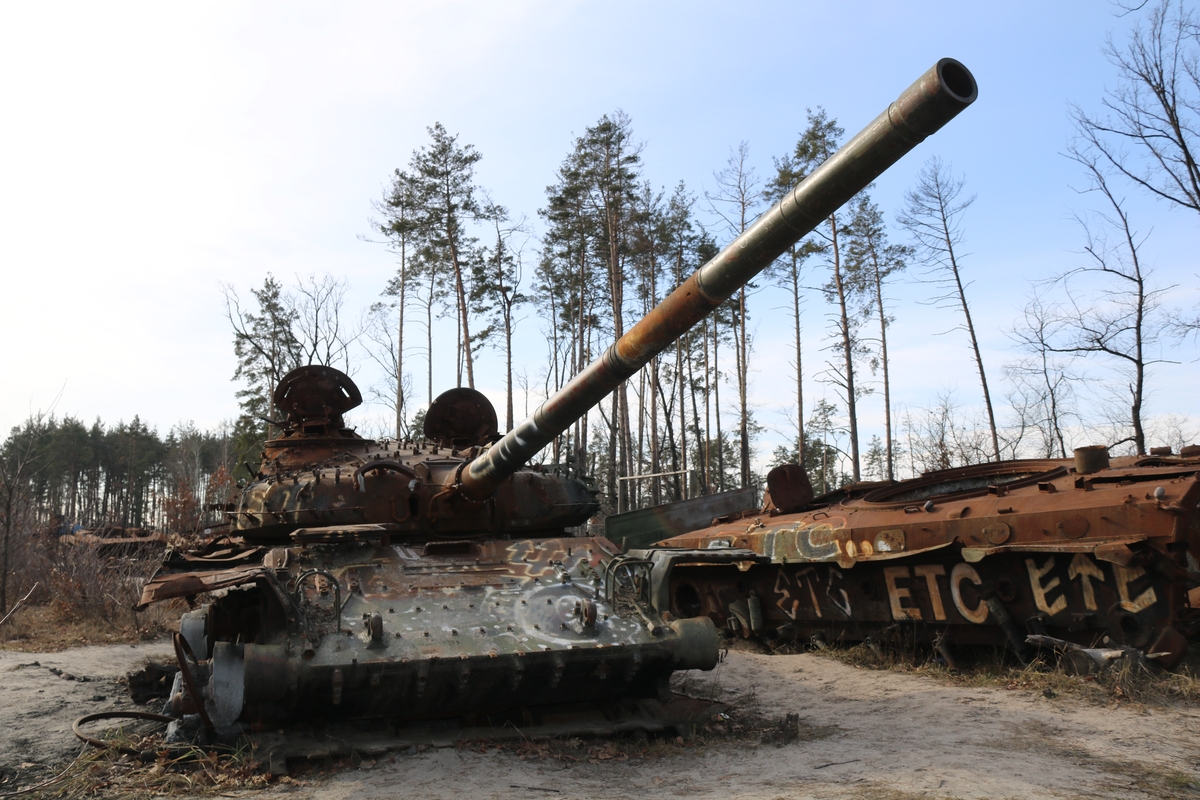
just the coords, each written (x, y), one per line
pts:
(78, 582)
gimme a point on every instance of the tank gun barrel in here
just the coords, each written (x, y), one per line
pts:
(933, 100)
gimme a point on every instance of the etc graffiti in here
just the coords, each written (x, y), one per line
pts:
(1053, 584)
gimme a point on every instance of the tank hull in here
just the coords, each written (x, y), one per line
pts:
(982, 555)
(365, 629)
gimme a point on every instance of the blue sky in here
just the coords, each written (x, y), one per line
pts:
(152, 152)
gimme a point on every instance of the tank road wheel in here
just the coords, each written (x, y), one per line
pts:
(1129, 629)
(187, 660)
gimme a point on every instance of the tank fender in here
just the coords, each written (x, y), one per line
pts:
(665, 558)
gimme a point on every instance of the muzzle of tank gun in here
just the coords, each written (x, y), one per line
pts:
(933, 100)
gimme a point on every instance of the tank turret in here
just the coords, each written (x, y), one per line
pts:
(441, 577)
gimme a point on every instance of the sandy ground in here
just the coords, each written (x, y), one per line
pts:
(864, 734)
(38, 705)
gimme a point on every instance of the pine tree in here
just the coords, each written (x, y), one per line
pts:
(495, 291)
(870, 261)
(932, 215)
(817, 143)
(787, 272)
(444, 173)
(735, 202)
(682, 243)
(591, 209)
(266, 347)
(402, 225)
(569, 286)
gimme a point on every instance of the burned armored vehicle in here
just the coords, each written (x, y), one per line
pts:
(438, 578)
(1084, 550)
(360, 585)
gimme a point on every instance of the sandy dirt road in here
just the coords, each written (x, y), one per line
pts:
(864, 734)
(41, 694)
(870, 734)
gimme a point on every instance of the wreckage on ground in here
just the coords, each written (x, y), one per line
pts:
(439, 578)
(110, 541)
(1084, 550)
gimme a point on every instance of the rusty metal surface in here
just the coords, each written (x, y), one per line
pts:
(356, 585)
(118, 542)
(461, 417)
(954, 553)
(427, 631)
(921, 110)
(319, 474)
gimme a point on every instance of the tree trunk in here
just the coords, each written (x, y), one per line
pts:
(887, 394)
(799, 359)
(743, 375)
(429, 338)
(987, 397)
(1139, 384)
(656, 495)
(462, 311)
(696, 413)
(4, 557)
(615, 487)
(683, 454)
(400, 344)
(847, 352)
(716, 388)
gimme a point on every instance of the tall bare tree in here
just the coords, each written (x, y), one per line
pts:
(1148, 130)
(682, 243)
(1150, 121)
(402, 224)
(787, 272)
(1113, 306)
(496, 284)
(819, 141)
(734, 201)
(649, 251)
(569, 286)
(381, 334)
(609, 161)
(1043, 385)
(322, 331)
(933, 215)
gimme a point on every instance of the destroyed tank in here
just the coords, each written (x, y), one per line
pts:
(1086, 551)
(439, 578)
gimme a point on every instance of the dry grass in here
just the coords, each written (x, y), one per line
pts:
(159, 771)
(54, 627)
(83, 597)
(993, 667)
